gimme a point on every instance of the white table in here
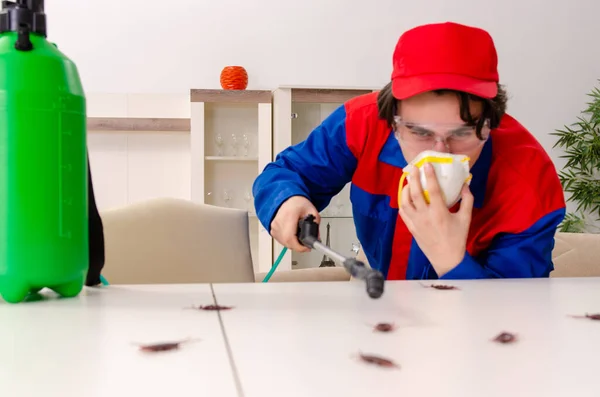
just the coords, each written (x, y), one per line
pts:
(84, 346)
(285, 339)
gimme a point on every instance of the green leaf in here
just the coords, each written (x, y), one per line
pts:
(572, 224)
(580, 177)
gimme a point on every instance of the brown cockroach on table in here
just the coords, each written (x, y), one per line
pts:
(211, 307)
(505, 337)
(161, 346)
(440, 286)
(588, 316)
(377, 360)
(384, 327)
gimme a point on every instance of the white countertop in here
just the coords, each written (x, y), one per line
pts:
(84, 346)
(288, 339)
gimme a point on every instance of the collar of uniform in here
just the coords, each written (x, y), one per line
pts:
(480, 172)
(391, 154)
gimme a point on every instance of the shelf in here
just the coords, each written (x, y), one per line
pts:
(230, 158)
(230, 96)
(329, 87)
(226, 125)
(138, 124)
(323, 95)
(227, 181)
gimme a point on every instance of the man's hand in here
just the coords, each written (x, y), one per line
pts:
(284, 227)
(441, 235)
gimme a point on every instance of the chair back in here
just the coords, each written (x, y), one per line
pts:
(576, 255)
(167, 240)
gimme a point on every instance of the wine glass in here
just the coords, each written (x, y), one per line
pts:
(227, 196)
(234, 143)
(246, 143)
(219, 141)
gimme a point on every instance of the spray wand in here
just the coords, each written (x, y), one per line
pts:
(308, 232)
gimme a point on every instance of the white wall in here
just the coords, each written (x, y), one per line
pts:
(133, 166)
(151, 46)
(156, 46)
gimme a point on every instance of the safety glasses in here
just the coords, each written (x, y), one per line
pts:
(457, 138)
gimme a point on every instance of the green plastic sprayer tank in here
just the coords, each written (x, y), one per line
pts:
(43, 160)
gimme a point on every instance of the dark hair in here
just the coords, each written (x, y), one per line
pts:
(493, 109)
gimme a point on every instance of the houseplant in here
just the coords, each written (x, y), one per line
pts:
(580, 176)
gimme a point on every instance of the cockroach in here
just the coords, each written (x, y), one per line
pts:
(589, 316)
(440, 286)
(161, 346)
(211, 307)
(384, 327)
(378, 361)
(505, 337)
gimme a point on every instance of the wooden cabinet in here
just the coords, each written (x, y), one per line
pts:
(296, 112)
(230, 144)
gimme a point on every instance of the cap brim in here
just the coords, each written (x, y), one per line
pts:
(406, 87)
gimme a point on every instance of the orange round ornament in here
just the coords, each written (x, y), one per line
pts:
(234, 78)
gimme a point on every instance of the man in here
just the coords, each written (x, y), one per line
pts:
(444, 95)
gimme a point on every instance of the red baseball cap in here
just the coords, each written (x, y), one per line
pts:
(445, 56)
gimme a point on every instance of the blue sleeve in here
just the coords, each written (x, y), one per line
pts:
(317, 168)
(523, 255)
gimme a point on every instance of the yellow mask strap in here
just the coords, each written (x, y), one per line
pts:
(402, 178)
(433, 159)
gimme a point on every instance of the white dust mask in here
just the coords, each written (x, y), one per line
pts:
(451, 170)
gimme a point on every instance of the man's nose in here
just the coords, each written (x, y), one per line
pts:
(441, 146)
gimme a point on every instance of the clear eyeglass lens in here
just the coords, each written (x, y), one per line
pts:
(456, 137)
